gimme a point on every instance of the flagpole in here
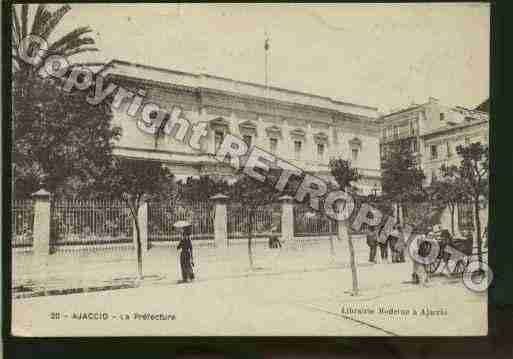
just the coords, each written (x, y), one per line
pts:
(266, 50)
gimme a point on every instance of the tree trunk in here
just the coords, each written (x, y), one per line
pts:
(451, 208)
(344, 234)
(250, 240)
(398, 212)
(332, 239)
(138, 245)
(478, 229)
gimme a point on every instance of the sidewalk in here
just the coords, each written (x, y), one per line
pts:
(444, 308)
(265, 303)
(86, 272)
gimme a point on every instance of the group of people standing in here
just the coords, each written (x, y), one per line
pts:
(392, 243)
(395, 243)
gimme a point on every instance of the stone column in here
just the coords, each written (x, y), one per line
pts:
(261, 136)
(142, 217)
(220, 221)
(310, 150)
(41, 244)
(331, 143)
(234, 125)
(286, 147)
(287, 218)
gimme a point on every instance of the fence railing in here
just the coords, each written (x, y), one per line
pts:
(90, 222)
(308, 222)
(76, 222)
(23, 223)
(162, 216)
(267, 220)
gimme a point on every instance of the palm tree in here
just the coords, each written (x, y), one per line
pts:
(44, 23)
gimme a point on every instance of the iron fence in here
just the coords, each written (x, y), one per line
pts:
(267, 220)
(162, 216)
(23, 223)
(308, 222)
(90, 222)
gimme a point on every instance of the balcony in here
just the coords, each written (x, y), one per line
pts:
(397, 136)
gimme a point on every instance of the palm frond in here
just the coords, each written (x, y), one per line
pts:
(24, 20)
(15, 39)
(17, 27)
(54, 20)
(40, 19)
(76, 43)
(78, 51)
(69, 37)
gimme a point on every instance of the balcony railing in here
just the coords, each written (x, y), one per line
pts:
(397, 136)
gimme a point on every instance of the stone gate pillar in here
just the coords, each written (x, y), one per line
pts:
(287, 218)
(41, 244)
(220, 221)
(41, 234)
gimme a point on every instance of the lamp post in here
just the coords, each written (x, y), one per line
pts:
(375, 190)
(374, 194)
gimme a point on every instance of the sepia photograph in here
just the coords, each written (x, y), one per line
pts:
(249, 169)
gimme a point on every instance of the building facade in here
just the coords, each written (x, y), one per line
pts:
(303, 129)
(433, 131)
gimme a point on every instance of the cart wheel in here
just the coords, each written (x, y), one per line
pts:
(460, 267)
(432, 267)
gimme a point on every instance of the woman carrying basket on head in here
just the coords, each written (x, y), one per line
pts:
(186, 258)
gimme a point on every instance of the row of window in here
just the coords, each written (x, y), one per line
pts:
(399, 131)
(273, 145)
(433, 149)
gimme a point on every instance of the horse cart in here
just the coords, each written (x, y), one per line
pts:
(460, 253)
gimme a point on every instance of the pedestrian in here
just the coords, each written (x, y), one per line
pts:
(392, 240)
(372, 242)
(186, 258)
(400, 245)
(274, 240)
(383, 245)
(422, 247)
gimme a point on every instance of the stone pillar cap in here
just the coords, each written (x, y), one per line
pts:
(42, 193)
(286, 198)
(219, 197)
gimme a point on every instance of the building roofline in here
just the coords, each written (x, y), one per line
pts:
(413, 107)
(454, 127)
(114, 62)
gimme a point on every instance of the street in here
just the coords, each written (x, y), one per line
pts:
(298, 303)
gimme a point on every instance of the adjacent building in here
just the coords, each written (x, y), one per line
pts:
(304, 129)
(432, 132)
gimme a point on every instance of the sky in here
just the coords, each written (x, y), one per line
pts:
(383, 55)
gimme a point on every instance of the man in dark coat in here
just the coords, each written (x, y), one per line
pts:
(393, 239)
(372, 242)
(383, 244)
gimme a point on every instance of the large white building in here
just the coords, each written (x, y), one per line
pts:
(305, 130)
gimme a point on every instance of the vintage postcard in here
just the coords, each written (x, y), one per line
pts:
(250, 169)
